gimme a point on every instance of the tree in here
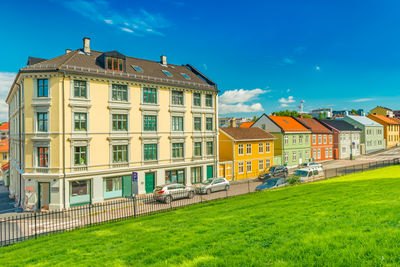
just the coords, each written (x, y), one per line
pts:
(254, 118)
(354, 112)
(287, 112)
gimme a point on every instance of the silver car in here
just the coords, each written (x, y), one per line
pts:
(212, 185)
(168, 192)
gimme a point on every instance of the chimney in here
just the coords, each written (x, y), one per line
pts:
(164, 60)
(346, 113)
(86, 45)
(67, 51)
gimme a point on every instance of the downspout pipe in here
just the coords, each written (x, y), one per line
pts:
(19, 144)
(63, 135)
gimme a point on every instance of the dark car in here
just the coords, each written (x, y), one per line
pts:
(271, 183)
(274, 172)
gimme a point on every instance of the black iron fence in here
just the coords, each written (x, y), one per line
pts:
(31, 225)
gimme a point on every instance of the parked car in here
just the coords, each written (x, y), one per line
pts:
(212, 185)
(306, 174)
(168, 192)
(271, 183)
(274, 172)
(311, 165)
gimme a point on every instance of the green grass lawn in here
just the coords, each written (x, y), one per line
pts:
(353, 220)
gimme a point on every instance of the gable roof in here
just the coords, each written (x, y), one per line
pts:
(382, 107)
(241, 134)
(34, 60)
(4, 127)
(288, 124)
(246, 124)
(314, 125)
(5, 166)
(395, 119)
(364, 120)
(383, 118)
(4, 145)
(78, 62)
(340, 125)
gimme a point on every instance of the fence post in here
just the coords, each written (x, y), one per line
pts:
(35, 227)
(134, 206)
(248, 185)
(90, 214)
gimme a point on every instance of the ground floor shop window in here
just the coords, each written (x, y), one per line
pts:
(79, 192)
(196, 175)
(112, 187)
(175, 176)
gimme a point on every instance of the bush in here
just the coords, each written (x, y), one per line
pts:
(294, 180)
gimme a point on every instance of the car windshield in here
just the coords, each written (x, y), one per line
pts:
(207, 181)
(301, 173)
(271, 182)
(271, 169)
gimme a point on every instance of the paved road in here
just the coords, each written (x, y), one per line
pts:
(6, 205)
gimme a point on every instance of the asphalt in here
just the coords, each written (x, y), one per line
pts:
(6, 205)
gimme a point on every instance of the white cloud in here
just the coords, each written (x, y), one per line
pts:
(102, 11)
(288, 100)
(288, 90)
(240, 95)
(362, 100)
(284, 105)
(240, 108)
(6, 80)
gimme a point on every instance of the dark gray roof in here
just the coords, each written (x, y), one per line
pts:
(34, 60)
(340, 125)
(93, 64)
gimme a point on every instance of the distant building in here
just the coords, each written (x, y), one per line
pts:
(382, 111)
(315, 112)
(246, 124)
(4, 129)
(391, 128)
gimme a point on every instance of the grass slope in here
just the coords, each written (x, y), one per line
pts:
(349, 221)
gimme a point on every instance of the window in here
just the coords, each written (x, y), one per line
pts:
(314, 139)
(197, 99)
(248, 149)
(177, 150)
(240, 167)
(167, 73)
(209, 102)
(149, 123)
(294, 139)
(79, 192)
(326, 153)
(306, 139)
(120, 153)
(42, 121)
(286, 157)
(196, 176)
(260, 165)
(80, 89)
(325, 138)
(149, 95)
(80, 155)
(267, 147)
(185, 76)
(137, 68)
(294, 156)
(307, 155)
(4, 156)
(267, 163)
(119, 92)
(197, 123)
(314, 154)
(112, 187)
(43, 156)
(80, 121)
(300, 139)
(330, 139)
(177, 98)
(286, 140)
(260, 148)
(319, 154)
(177, 123)
(150, 152)
(175, 176)
(209, 124)
(119, 122)
(248, 166)
(210, 148)
(240, 149)
(319, 139)
(42, 88)
(115, 64)
(197, 149)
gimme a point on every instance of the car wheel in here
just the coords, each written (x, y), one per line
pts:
(208, 191)
(191, 195)
(226, 187)
(168, 199)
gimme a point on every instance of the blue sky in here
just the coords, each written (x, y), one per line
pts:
(264, 55)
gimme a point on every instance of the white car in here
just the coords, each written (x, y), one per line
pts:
(312, 165)
(309, 174)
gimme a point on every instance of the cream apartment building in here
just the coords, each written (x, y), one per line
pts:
(88, 126)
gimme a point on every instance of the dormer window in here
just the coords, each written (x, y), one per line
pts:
(137, 68)
(167, 73)
(115, 64)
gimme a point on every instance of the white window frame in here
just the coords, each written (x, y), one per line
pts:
(247, 149)
(260, 148)
(260, 163)
(240, 149)
(240, 166)
(267, 147)
(248, 164)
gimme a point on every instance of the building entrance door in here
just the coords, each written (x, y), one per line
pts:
(44, 196)
(149, 182)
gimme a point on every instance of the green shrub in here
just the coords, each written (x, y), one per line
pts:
(294, 180)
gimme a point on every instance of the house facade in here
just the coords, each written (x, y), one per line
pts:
(244, 152)
(293, 139)
(387, 112)
(88, 126)
(321, 139)
(391, 129)
(372, 135)
(346, 139)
